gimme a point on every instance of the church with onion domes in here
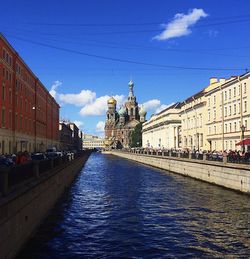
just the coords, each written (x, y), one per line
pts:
(120, 124)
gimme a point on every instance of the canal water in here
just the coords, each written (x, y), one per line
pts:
(121, 209)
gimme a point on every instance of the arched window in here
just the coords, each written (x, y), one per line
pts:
(131, 111)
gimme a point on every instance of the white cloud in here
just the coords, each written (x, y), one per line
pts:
(99, 105)
(54, 88)
(80, 99)
(100, 126)
(79, 124)
(179, 26)
(155, 106)
(152, 104)
(162, 107)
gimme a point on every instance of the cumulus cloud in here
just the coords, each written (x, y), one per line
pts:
(79, 124)
(100, 126)
(54, 86)
(152, 104)
(79, 99)
(99, 105)
(180, 25)
(155, 105)
(162, 107)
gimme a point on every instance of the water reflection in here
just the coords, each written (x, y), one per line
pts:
(121, 209)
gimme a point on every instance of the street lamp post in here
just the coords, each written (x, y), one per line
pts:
(243, 128)
(34, 109)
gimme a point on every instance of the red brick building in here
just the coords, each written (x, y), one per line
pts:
(29, 115)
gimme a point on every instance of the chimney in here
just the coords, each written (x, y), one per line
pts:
(213, 80)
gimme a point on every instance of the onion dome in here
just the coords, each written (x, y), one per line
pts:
(122, 112)
(112, 100)
(142, 111)
(131, 83)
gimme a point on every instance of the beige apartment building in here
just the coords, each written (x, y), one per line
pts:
(194, 118)
(91, 141)
(163, 129)
(228, 113)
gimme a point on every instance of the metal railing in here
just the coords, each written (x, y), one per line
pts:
(13, 176)
(212, 156)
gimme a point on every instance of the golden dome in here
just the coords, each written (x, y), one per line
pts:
(112, 100)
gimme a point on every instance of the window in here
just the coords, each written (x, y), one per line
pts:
(239, 90)
(10, 119)
(235, 126)
(10, 96)
(208, 101)
(214, 99)
(234, 109)
(229, 94)
(3, 92)
(245, 106)
(239, 108)
(208, 116)
(16, 121)
(225, 111)
(245, 124)
(230, 127)
(230, 110)
(234, 91)
(3, 117)
(225, 128)
(245, 88)
(214, 114)
(225, 95)
(214, 129)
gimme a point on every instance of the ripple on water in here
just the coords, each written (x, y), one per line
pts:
(120, 209)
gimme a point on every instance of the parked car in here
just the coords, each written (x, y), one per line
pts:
(38, 156)
(6, 161)
(52, 152)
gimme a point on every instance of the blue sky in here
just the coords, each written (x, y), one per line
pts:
(74, 48)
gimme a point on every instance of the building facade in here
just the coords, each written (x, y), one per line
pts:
(119, 125)
(65, 133)
(228, 113)
(163, 129)
(91, 142)
(29, 114)
(194, 118)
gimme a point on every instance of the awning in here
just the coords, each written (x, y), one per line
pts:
(243, 142)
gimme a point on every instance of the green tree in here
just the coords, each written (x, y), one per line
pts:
(136, 136)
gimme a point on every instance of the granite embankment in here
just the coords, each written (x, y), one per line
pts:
(25, 202)
(229, 175)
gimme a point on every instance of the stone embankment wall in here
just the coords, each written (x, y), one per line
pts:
(232, 176)
(22, 211)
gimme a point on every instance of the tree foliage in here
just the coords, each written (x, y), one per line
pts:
(136, 136)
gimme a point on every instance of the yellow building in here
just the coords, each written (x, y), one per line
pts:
(163, 129)
(228, 105)
(194, 118)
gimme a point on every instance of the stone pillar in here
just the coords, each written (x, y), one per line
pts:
(4, 179)
(35, 169)
(190, 155)
(204, 156)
